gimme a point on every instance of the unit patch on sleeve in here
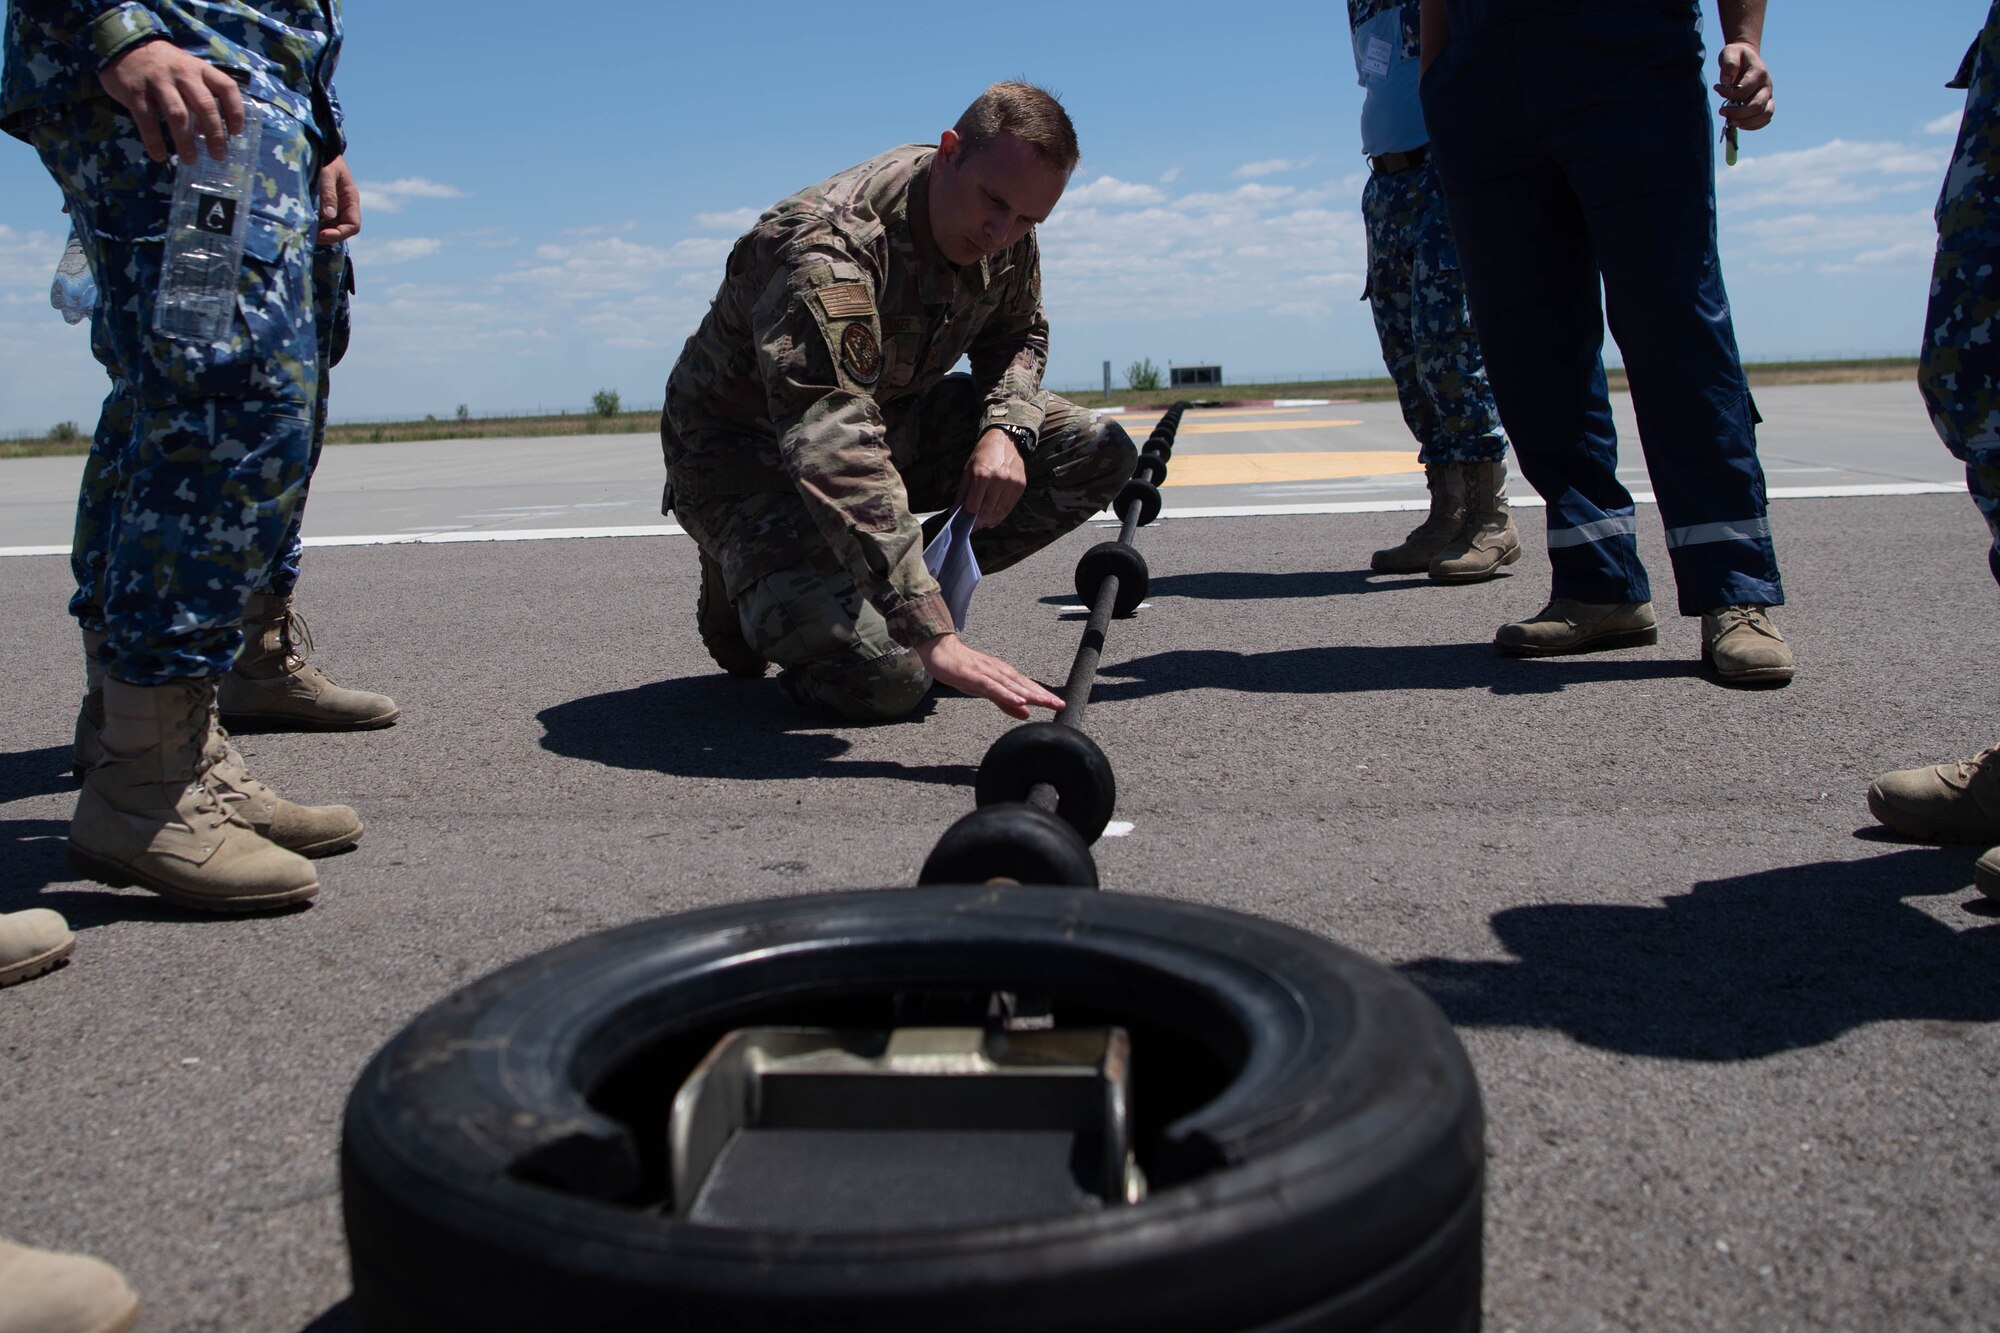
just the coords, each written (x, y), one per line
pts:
(860, 353)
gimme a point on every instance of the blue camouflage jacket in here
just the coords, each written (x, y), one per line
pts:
(282, 51)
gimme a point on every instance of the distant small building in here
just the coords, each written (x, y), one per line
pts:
(1183, 376)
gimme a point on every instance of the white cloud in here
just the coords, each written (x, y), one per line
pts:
(1823, 191)
(1270, 166)
(1110, 191)
(1271, 250)
(735, 220)
(1835, 172)
(611, 266)
(28, 258)
(1945, 124)
(393, 196)
(1170, 175)
(1845, 244)
(400, 250)
(1243, 196)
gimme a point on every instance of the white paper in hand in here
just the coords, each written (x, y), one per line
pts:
(951, 562)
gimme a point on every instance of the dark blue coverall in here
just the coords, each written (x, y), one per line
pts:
(1576, 144)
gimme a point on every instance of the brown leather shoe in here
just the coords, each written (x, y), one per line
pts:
(1986, 874)
(1743, 647)
(1566, 626)
(1957, 802)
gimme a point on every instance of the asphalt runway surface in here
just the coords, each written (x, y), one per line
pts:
(1740, 1050)
(1331, 457)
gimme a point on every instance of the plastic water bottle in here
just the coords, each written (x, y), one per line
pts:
(74, 291)
(197, 301)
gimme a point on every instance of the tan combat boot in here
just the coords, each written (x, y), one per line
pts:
(1566, 626)
(32, 942)
(43, 1291)
(85, 751)
(273, 686)
(1486, 540)
(309, 830)
(721, 631)
(149, 814)
(1943, 803)
(1414, 555)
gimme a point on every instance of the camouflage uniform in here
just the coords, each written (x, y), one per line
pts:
(812, 412)
(1418, 298)
(1960, 372)
(99, 498)
(201, 457)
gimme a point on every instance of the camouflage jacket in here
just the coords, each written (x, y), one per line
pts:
(282, 51)
(836, 314)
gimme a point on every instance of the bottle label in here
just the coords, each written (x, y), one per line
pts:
(217, 215)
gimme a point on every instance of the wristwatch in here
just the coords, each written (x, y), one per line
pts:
(1023, 438)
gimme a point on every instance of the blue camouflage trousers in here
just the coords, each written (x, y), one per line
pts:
(1418, 298)
(1960, 369)
(198, 468)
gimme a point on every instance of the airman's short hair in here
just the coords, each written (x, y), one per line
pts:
(1030, 114)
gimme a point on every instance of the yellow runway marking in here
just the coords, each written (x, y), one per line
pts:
(1243, 469)
(1238, 427)
(1213, 417)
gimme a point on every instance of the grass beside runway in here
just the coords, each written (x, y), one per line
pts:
(1762, 375)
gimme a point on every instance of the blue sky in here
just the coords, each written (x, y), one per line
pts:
(549, 199)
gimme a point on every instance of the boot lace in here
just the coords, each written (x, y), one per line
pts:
(1979, 765)
(1735, 617)
(211, 802)
(295, 640)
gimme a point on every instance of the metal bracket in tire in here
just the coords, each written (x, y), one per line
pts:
(1306, 1125)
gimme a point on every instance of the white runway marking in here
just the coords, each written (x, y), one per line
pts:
(1535, 501)
(435, 536)
(1117, 828)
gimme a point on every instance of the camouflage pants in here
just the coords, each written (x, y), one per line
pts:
(1960, 370)
(200, 459)
(801, 609)
(1418, 298)
(100, 496)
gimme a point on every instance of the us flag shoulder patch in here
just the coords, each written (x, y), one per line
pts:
(846, 300)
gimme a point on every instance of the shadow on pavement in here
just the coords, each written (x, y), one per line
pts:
(31, 857)
(336, 1319)
(25, 773)
(1735, 969)
(1352, 668)
(1250, 585)
(715, 726)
